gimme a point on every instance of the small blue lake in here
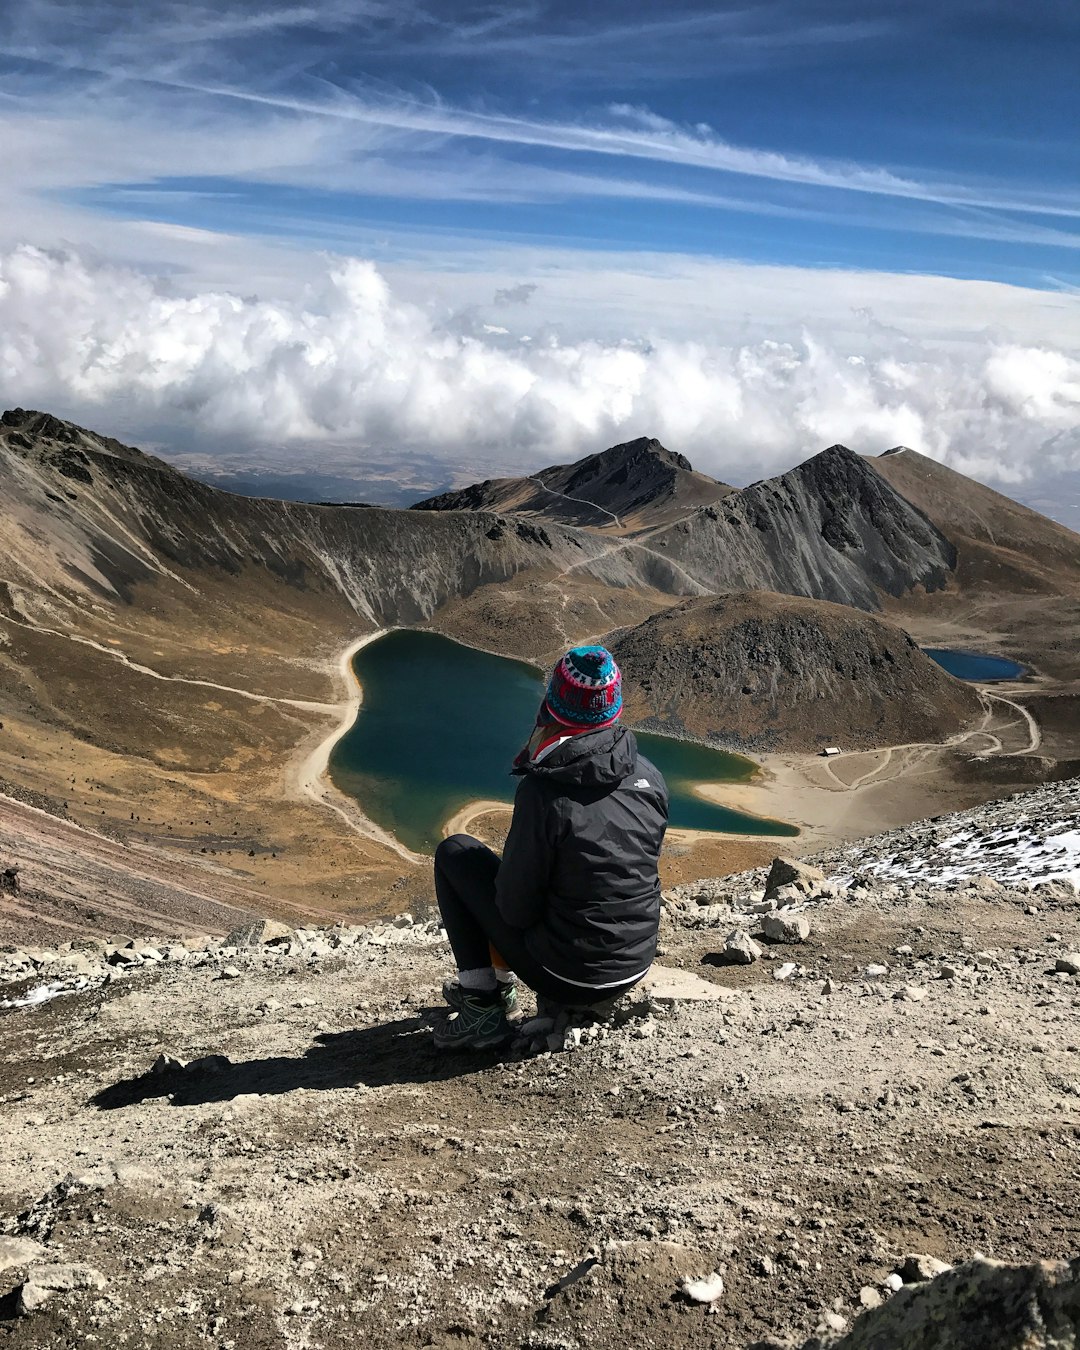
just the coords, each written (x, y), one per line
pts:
(441, 723)
(974, 666)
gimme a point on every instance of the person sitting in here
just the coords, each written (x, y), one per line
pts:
(573, 905)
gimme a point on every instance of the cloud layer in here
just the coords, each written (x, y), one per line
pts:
(352, 360)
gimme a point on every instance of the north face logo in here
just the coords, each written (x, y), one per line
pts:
(643, 782)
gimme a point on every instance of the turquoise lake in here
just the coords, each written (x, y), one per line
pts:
(441, 723)
(974, 666)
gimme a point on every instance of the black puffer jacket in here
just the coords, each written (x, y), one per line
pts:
(578, 872)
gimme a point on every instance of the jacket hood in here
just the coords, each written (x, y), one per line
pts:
(593, 759)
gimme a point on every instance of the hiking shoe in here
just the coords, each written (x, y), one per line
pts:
(453, 993)
(475, 1025)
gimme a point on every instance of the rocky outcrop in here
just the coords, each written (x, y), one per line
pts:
(765, 671)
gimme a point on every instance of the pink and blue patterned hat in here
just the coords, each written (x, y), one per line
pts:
(585, 689)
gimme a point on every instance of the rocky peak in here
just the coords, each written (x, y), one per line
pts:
(640, 452)
(26, 428)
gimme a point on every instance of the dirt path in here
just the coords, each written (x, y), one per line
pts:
(913, 753)
(582, 501)
(1034, 732)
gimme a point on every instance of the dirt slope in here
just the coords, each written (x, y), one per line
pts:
(970, 513)
(333, 1182)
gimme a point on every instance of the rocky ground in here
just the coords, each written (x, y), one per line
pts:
(251, 1142)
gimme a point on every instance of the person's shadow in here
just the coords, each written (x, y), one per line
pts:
(392, 1052)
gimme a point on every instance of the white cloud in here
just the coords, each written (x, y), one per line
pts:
(352, 359)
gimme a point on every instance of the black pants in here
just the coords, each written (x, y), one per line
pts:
(465, 889)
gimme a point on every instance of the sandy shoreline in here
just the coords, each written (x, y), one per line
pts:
(460, 821)
(309, 777)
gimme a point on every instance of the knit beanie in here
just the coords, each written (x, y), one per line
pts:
(585, 689)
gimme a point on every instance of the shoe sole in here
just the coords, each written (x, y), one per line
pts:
(474, 1043)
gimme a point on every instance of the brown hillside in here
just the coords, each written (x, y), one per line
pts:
(755, 670)
(999, 542)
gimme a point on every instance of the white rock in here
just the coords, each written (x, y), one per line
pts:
(785, 971)
(874, 972)
(786, 926)
(229, 973)
(916, 1268)
(19, 1251)
(43, 1281)
(704, 1291)
(30, 1298)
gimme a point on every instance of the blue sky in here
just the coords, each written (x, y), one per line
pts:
(910, 136)
(601, 155)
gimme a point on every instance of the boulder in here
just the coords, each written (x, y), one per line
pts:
(786, 926)
(740, 949)
(44, 1281)
(210, 1064)
(917, 1267)
(167, 1064)
(791, 872)
(1069, 964)
(981, 1305)
(984, 885)
(123, 956)
(256, 933)
(667, 987)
